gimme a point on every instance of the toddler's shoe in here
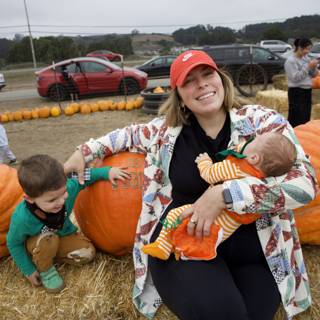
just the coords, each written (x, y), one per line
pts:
(13, 161)
(51, 280)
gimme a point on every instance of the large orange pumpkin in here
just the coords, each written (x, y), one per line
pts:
(108, 215)
(10, 195)
(308, 217)
(316, 82)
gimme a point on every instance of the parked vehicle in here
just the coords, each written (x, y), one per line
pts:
(2, 81)
(315, 51)
(105, 54)
(275, 45)
(233, 57)
(90, 76)
(158, 66)
(248, 65)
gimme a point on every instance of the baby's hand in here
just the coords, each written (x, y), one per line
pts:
(116, 173)
(34, 278)
(202, 156)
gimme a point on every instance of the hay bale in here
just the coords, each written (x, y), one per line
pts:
(274, 99)
(280, 82)
(315, 114)
(102, 290)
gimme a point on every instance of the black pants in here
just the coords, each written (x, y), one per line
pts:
(236, 285)
(299, 106)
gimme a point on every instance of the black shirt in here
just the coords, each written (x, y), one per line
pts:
(187, 184)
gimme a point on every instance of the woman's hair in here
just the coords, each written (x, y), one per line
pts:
(278, 155)
(176, 115)
(39, 174)
(302, 43)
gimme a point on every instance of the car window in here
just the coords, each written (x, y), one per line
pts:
(170, 60)
(88, 66)
(73, 68)
(217, 54)
(157, 62)
(260, 54)
(316, 48)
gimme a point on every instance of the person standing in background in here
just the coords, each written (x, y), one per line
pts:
(300, 69)
(4, 147)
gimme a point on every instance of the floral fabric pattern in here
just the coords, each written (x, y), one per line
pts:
(273, 198)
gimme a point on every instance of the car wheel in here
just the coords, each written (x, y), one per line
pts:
(58, 93)
(129, 86)
(250, 79)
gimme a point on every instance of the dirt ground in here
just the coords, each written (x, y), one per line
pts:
(59, 136)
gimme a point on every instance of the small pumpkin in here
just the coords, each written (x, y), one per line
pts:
(121, 105)
(35, 113)
(26, 114)
(94, 107)
(68, 111)
(55, 111)
(108, 215)
(85, 109)
(308, 217)
(10, 195)
(4, 118)
(17, 116)
(129, 105)
(44, 112)
(316, 82)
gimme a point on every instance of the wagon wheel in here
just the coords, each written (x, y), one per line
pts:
(250, 79)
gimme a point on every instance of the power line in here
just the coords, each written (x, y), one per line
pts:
(144, 26)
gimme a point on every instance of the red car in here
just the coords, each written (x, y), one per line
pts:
(86, 76)
(111, 56)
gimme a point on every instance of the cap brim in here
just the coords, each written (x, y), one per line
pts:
(183, 75)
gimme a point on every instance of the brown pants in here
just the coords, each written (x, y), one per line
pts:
(47, 247)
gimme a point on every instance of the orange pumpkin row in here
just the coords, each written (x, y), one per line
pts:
(103, 105)
(25, 114)
(72, 108)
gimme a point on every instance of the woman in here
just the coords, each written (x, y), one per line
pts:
(262, 262)
(300, 70)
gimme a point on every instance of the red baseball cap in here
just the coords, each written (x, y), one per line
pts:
(185, 62)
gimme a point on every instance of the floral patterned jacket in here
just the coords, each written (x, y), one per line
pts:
(273, 198)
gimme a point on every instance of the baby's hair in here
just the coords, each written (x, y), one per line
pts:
(39, 174)
(279, 155)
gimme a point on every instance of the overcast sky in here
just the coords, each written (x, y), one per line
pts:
(160, 16)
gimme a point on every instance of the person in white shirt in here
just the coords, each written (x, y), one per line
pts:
(4, 147)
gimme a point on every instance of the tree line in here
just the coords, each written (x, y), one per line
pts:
(48, 49)
(51, 48)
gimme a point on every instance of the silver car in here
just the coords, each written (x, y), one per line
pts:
(275, 45)
(2, 81)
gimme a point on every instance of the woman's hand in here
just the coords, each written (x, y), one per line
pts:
(76, 164)
(118, 174)
(205, 211)
(34, 278)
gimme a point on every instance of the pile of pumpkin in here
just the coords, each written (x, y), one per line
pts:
(72, 108)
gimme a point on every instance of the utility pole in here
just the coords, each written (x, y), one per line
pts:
(30, 37)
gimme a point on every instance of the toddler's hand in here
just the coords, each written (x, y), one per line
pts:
(34, 278)
(116, 173)
(202, 156)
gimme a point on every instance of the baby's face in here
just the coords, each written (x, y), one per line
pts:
(52, 201)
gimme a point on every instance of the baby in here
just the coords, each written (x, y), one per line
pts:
(268, 155)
